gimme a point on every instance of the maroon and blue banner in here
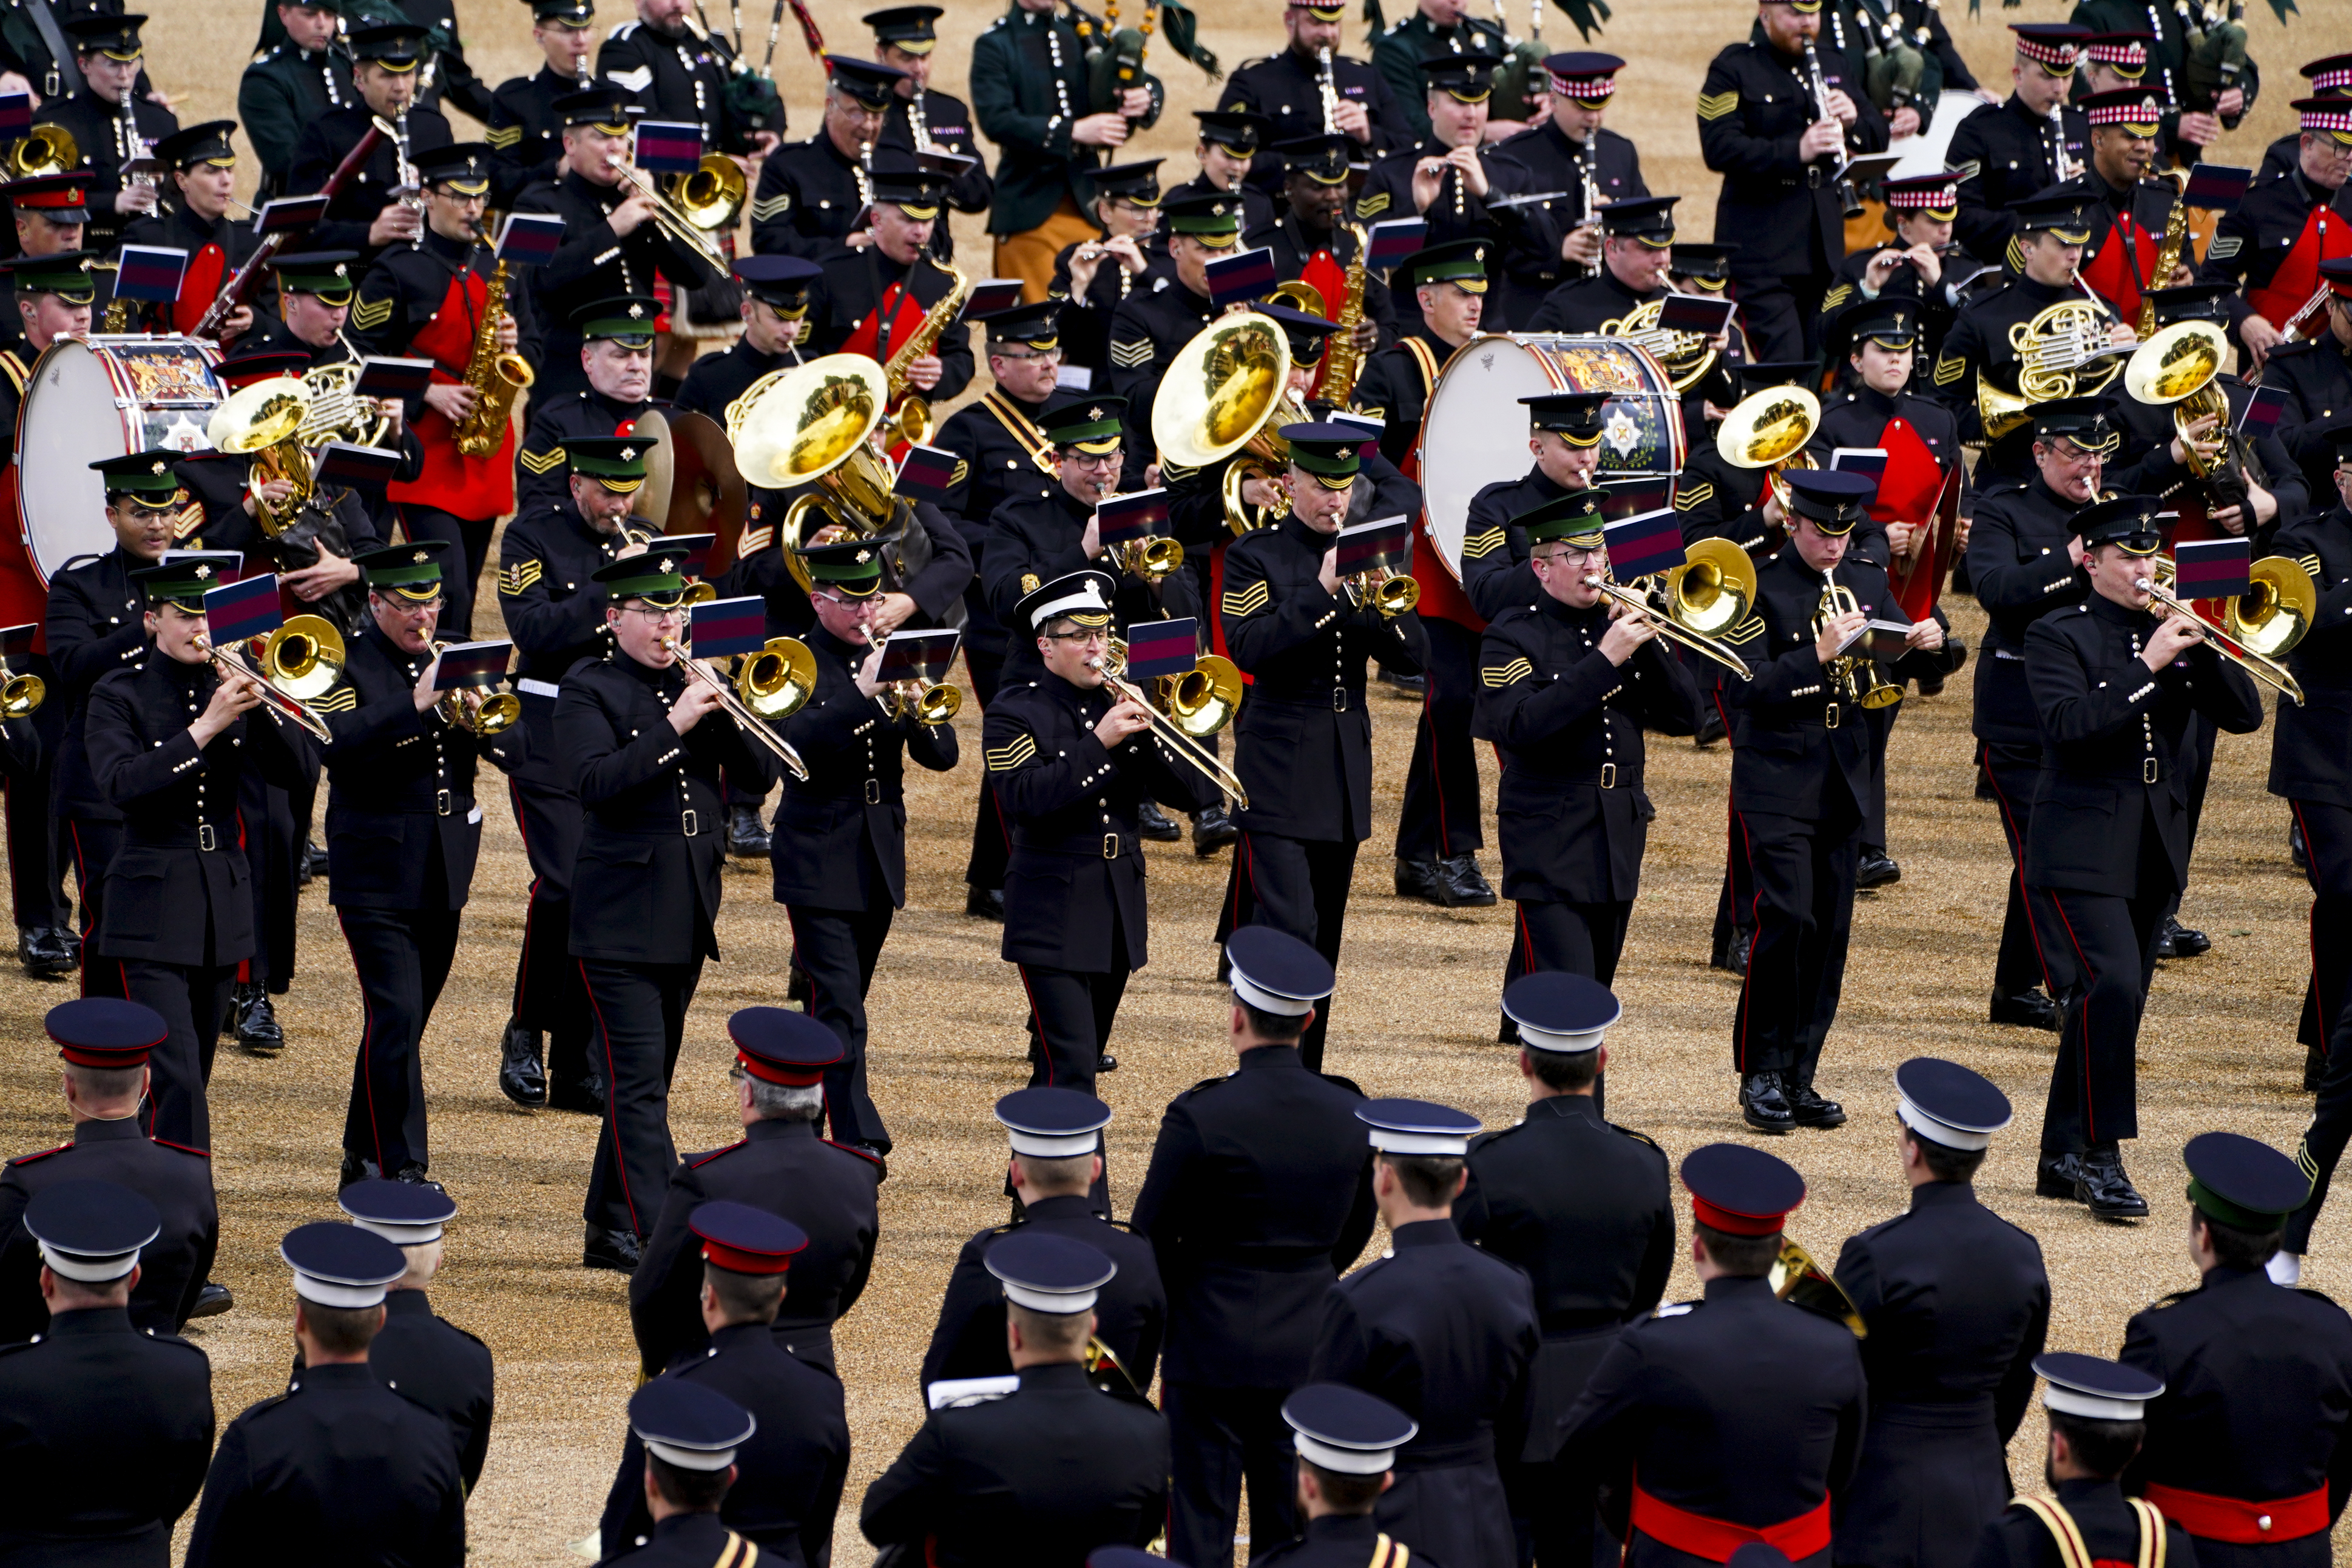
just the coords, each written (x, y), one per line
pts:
(1644, 545)
(236, 611)
(1383, 541)
(724, 627)
(696, 563)
(2217, 185)
(15, 115)
(2212, 568)
(1248, 276)
(151, 272)
(345, 464)
(472, 664)
(289, 212)
(1703, 314)
(990, 294)
(918, 656)
(1155, 648)
(1392, 241)
(1621, 498)
(669, 147)
(2262, 411)
(400, 378)
(1138, 515)
(16, 642)
(927, 474)
(530, 239)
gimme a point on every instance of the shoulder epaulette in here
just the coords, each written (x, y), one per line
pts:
(698, 1161)
(1637, 1137)
(623, 31)
(2300, 346)
(2174, 1300)
(79, 562)
(1121, 1225)
(1209, 1083)
(39, 1154)
(1677, 1310)
(19, 1345)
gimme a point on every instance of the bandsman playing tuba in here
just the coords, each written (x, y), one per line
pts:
(775, 315)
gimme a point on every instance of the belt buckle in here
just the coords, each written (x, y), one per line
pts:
(1110, 846)
(1609, 776)
(2148, 770)
(686, 823)
(441, 801)
(873, 791)
(205, 838)
(1338, 699)
(1829, 716)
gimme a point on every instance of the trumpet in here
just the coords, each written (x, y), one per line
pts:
(496, 713)
(672, 220)
(1151, 557)
(1201, 701)
(1392, 593)
(300, 661)
(929, 704)
(1669, 621)
(1856, 674)
(20, 695)
(2285, 601)
(775, 683)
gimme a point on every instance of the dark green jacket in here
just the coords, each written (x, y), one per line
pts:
(1399, 51)
(1028, 87)
(282, 92)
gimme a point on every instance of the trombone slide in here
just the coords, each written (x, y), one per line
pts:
(750, 724)
(1112, 665)
(1671, 629)
(281, 706)
(2268, 671)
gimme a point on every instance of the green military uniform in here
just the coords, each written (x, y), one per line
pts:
(1028, 87)
(2169, 56)
(283, 91)
(1401, 47)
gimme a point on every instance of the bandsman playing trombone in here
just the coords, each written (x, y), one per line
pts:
(2116, 683)
(168, 739)
(1565, 685)
(839, 846)
(402, 831)
(630, 730)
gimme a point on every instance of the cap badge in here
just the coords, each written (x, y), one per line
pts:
(421, 557)
(159, 468)
(863, 556)
(203, 570)
(629, 454)
(1094, 413)
(636, 312)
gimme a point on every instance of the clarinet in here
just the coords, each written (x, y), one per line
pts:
(2063, 167)
(1849, 198)
(1587, 167)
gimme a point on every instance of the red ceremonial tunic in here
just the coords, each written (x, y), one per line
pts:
(2325, 236)
(474, 488)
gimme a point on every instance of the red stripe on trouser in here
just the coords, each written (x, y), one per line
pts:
(1715, 1539)
(2311, 925)
(2016, 857)
(612, 1100)
(2082, 1034)
(1037, 1022)
(367, 1043)
(2241, 1521)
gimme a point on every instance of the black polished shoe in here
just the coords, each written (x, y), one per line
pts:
(745, 834)
(1743, 943)
(1762, 1105)
(355, 1169)
(72, 938)
(1417, 880)
(1810, 1110)
(984, 904)
(2296, 851)
(1710, 727)
(258, 1032)
(584, 1095)
(412, 1174)
(522, 1077)
(1984, 785)
(1212, 830)
(1719, 955)
(211, 1301)
(2028, 1009)
(2053, 1175)
(43, 952)
(1105, 1062)
(1460, 886)
(2101, 1185)
(2179, 941)
(1874, 870)
(797, 988)
(1152, 822)
(614, 1249)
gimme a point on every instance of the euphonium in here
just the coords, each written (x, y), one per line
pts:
(44, 149)
(1768, 429)
(1227, 395)
(1684, 356)
(265, 420)
(910, 414)
(495, 377)
(815, 427)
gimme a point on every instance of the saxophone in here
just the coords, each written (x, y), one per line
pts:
(1342, 361)
(2168, 254)
(910, 416)
(495, 377)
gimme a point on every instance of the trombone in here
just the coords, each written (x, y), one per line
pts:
(300, 661)
(683, 223)
(1201, 701)
(1702, 588)
(2285, 601)
(775, 683)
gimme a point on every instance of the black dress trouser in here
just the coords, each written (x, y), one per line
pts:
(637, 1014)
(1440, 818)
(1071, 1012)
(35, 859)
(403, 959)
(191, 998)
(273, 843)
(88, 845)
(1582, 939)
(1804, 870)
(1734, 905)
(2102, 958)
(2327, 843)
(838, 950)
(547, 992)
(1298, 886)
(1219, 1438)
(992, 835)
(2030, 924)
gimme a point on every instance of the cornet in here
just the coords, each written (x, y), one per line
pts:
(496, 713)
(1855, 674)
(929, 704)
(1392, 593)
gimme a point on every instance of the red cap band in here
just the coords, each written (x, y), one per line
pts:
(71, 197)
(773, 1072)
(1730, 1224)
(734, 1257)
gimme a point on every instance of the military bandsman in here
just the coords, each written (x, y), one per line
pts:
(873, 299)
(923, 119)
(374, 209)
(424, 1357)
(1434, 28)
(814, 197)
(2032, 140)
(2097, 1411)
(1092, 278)
(305, 75)
(1571, 159)
(775, 314)
(690, 1436)
(201, 163)
(525, 127)
(616, 359)
(108, 50)
(1347, 1444)
(1285, 90)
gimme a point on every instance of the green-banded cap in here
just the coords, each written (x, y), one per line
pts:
(325, 273)
(1092, 424)
(1331, 453)
(656, 577)
(1212, 218)
(66, 275)
(853, 566)
(1572, 519)
(147, 478)
(1460, 262)
(2242, 1181)
(617, 462)
(626, 318)
(412, 570)
(184, 576)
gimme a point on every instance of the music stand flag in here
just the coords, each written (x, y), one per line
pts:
(1621, 498)
(346, 464)
(1155, 648)
(1644, 544)
(236, 611)
(696, 564)
(1138, 515)
(289, 213)
(472, 664)
(926, 474)
(530, 239)
(17, 642)
(1394, 239)
(1248, 276)
(669, 147)
(1870, 462)
(2212, 568)
(2217, 185)
(2260, 414)
(151, 272)
(15, 115)
(1383, 541)
(721, 629)
(921, 656)
(402, 378)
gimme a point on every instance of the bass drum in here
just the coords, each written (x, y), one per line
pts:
(1475, 433)
(102, 397)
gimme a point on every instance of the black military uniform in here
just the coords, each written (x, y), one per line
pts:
(716, 381)
(1323, 160)
(2317, 378)
(921, 116)
(1240, 133)
(839, 844)
(553, 608)
(326, 140)
(2271, 243)
(216, 247)
(1495, 571)
(1937, 195)
(281, 93)
(1130, 1312)
(1801, 768)
(108, 1427)
(112, 1035)
(1303, 743)
(403, 832)
(811, 194)
(1688, 1415)
(96, 123)
(1258, 1197)
(866, 302)
(1531, 263)
(1571, 813)
(2005, 152)
(1286, 92)
(1978, 349)
(691, 77)
(646, 913)
(789, 1470)
(1397, 55)
(1148, 329)
(179, 916)
(424, 1358)
(1055, 1463)
(1455, 213)
(593, 264)
(525, 128)
(1585, 1208)
(1957, 1303)
(1395, 382)
(338, 1466)
(1074, 914)
(1448, 1335)
(778, 1165)
(2110, 844)
(541, 479)
(2089, 1514)
(1084, 319)
(2126, 225)
(1753, 109)
(2245, 1445)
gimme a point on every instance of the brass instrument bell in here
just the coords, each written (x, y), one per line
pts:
(778, 680)
(1150, 558)
(304, 658)
(1227, 392)
(2275, 615)
(1796, 1279)
(2179, 366)
(44, 149)
(1205, 698)
(815, 427)
(1768, 429)
(498, 711)
(265, 420)
(1392, 593)
(20, 695)
(712, 198)
(1711, 591)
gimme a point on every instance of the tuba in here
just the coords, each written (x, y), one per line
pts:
(1801, 1282)
(2179, 366)
(1769, 430)
(814, 426)
(43, 150)
(1227, 395)
(266, 420)
(1684, 356)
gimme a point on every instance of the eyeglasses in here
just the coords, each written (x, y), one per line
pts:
(1571, 552)
(657, 617)
(414, 608)
(1049, 356)
(1105, 462)
(1101, 634)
